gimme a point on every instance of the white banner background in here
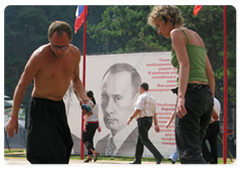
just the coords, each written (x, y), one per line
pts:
(155, 69)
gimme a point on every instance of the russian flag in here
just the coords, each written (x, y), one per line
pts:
(81, 13)
(197, 9)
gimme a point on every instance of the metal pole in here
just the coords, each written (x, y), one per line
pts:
(225, 109)
(84, 71)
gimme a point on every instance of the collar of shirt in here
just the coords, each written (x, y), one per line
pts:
(121, 136)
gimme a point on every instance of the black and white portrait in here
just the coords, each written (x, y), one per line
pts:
(119, 88)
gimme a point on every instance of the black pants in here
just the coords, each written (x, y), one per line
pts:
(191, 129)
(144, 125)
(211, 136)
(87, 137)
(49, 139)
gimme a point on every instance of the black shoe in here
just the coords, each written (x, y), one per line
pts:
(95, 159)
(160, 160)
(135, 162)
(87, 160)
(172, 161)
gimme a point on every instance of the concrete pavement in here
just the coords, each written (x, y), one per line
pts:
(23, 161)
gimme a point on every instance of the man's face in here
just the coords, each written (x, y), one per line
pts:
(59, 44)
(117, 100)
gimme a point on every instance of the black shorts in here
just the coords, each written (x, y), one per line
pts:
(49, 138)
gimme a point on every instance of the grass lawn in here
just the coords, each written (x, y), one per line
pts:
(21, 153)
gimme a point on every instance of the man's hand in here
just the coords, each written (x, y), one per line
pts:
(215, 116)
(157, 129)
(12, 126)
(129, 120)
(167, 125)
(84, 112)
(87, 108)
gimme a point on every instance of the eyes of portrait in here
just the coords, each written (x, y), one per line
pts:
(116, 98)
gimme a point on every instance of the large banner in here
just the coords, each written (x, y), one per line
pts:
(115, 80)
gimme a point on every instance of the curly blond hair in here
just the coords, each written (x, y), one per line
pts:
(161, 12)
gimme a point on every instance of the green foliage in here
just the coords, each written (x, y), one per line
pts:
(115, 29)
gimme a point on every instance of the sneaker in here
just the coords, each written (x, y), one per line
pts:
(172, 161)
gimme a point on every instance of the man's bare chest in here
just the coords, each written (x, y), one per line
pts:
(57, 69)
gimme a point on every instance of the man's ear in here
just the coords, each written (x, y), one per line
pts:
(49, 39)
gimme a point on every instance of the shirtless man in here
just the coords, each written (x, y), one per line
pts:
(52, 66)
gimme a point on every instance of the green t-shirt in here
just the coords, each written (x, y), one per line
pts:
(197, 61)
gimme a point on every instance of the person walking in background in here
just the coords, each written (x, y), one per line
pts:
(145, 112)
(211, 135)
(173, 158)
(91, 124)
(195, 82)
(52, 67)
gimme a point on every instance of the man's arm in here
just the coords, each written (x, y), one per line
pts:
(29, 72)
(170, 119)
(215, 116)
(155, 120)
(77, 85)
(135, 113)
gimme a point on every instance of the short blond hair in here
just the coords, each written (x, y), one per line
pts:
(161, 12)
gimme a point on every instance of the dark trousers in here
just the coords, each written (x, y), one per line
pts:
(191, 129)
(211, 136)
(87, 137)
(49, 139)
(144, 125)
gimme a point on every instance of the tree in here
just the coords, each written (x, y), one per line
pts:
(124, 29)
(115, 29)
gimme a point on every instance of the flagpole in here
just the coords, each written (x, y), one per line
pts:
(84, 71)
(225, 110)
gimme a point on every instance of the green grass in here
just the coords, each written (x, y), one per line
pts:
(124, 158)
(21, 153)
(220, 161)
(6, 151)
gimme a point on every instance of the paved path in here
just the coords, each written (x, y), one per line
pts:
(15, 161)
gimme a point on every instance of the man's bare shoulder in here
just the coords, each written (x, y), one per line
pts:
(41, 51)
(75, 51)
(36, 57)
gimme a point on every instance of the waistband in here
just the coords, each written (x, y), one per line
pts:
(145, 117)
(192, 86)
(92, 122)
(46, 100)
